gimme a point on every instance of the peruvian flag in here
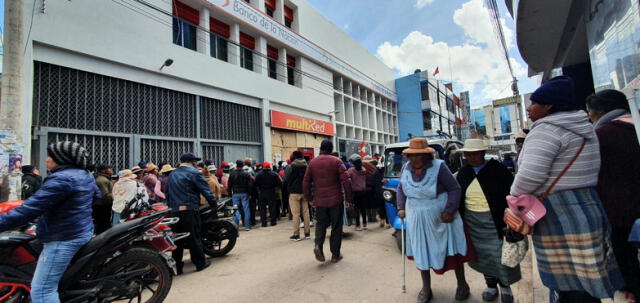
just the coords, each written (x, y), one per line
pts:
(363, 149)
(437, 71)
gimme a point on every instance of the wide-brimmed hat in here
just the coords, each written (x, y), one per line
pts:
(127, 173)
(418, 146)
(150, 167)
(520, 135)
(136, 170)
(166, 168)
(474, 145)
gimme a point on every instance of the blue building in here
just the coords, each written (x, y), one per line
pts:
(427, 107)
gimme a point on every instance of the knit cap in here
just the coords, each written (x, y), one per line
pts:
(68, 153)
(558, 91)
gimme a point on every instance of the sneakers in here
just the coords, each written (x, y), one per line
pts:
(307, 236)
(490, 294)
(247, 228)
(294, 238)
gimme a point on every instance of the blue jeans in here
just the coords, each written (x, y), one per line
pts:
(52, 263)
(242, 200)
(115, 218)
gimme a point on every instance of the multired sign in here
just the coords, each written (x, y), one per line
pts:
(293, 122)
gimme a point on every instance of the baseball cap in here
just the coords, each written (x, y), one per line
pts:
(527, 207)
(266, 165)
(187, 157)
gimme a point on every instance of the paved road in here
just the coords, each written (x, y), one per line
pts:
(266, 267)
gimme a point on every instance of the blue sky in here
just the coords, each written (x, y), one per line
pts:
(410, 34)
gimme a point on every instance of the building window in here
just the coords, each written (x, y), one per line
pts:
(246, 58)
(270, 7)
(288, 16)
(424, 90)
(220, 33)
(291, 69)
(185, 21)
(273, 56)
(218, 47)
(247, 45)
(426, 120)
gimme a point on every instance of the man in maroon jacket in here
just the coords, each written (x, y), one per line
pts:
(326, 184)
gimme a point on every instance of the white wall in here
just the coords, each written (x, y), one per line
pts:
(317, 28)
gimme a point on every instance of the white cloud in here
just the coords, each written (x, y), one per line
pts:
(478, 64)
(422, 3)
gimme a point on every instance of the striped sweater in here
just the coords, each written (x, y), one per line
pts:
(552, 143)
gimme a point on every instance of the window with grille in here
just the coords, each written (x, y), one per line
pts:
(213, 152)
(101, 149)
(75, 99)
(220, 120)
(164, 151)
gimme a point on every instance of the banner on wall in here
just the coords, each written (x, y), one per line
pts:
(298, 123)
(262, 22)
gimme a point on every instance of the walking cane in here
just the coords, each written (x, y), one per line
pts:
(404, 260)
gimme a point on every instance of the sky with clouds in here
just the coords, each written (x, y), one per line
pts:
(425, 34)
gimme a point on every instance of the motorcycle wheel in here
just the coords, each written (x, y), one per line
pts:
(157, 274)
(217, 238)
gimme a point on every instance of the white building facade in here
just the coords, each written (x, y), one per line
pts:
(148, 80)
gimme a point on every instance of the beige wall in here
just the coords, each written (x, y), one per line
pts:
(285, 142)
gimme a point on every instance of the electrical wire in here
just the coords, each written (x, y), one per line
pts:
(494, 16)
(26, 42)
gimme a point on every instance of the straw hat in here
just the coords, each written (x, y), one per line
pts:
(474, 145)
(418, 146)
(150, 167)
(136, 169)
(166, 168)
(127, 173)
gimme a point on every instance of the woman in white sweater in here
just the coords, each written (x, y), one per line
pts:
(572, 242)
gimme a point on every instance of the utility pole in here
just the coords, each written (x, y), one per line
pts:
(11, 101)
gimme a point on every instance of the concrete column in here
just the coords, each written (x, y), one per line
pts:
(282, 67)
(259, 4)
(13, 61)
(266, 130)
(260, 64)
(279, 14)
(234, 49)
(203, 45)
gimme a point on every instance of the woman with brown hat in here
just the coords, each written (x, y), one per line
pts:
(429, 196)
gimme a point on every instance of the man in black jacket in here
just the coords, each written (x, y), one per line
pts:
(266, 182)
(240, 186)
(31, 181)
(294, 175)
(485, 186)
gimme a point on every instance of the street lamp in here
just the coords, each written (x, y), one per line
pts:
(166, 63)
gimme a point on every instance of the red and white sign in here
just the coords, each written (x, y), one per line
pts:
(293, 122)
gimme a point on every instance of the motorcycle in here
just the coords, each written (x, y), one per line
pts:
(219, 235)
(115, 265)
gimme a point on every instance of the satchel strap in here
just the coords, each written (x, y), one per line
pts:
(546, 194)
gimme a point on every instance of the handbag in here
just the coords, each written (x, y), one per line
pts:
(514, 248)
(515, 220)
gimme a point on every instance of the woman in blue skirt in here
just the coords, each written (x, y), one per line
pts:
(429, 196)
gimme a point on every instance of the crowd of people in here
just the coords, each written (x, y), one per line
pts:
(582, 168)
(573, 190)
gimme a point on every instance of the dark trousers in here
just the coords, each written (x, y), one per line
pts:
(189, 222)
(253, 203)
(360, 209)
(382, 212)
(272, 204)
(285, 201)
(101, 218)
(492, 282)
(330, 216)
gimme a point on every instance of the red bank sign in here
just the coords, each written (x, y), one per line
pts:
(293, 122)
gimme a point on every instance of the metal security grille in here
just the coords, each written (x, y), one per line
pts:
(161, 151)
(214, 153)
(101, 149)
(220, 120)
(74, 99)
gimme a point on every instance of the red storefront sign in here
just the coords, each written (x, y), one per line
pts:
(293, 122)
